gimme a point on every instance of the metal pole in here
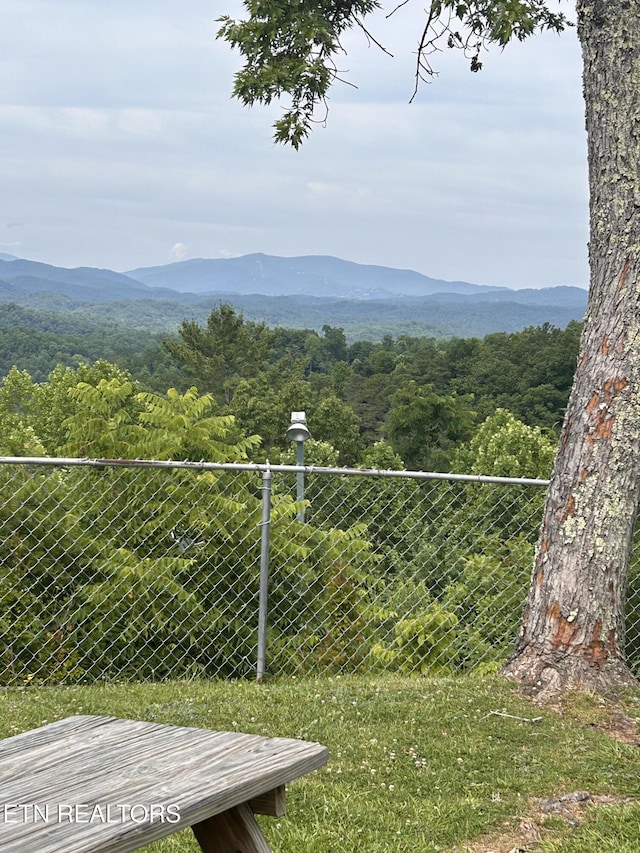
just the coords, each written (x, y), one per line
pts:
(263, 600)
(300, 477)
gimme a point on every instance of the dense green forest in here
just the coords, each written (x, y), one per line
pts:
(422, 395)
(383, 573)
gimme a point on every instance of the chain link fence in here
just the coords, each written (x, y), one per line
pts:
(157, 570)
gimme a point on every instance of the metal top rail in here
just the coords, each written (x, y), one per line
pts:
(265, 467)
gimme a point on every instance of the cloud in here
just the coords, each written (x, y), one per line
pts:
(483, 177)
(179, 252)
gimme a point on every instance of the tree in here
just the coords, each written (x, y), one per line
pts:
(424, 426)
(55, 402)
(265, 409)
(529, 372)
(334, 421)
(229, 348)
(503, 446)
(572, 634)
(573, 627)
(117, 571)
(291, 48)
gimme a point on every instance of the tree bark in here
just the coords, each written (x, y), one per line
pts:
(572, 634)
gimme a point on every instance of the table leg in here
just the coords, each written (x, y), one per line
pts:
(233, 831)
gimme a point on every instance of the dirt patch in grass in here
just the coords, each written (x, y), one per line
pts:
(607, 715)
(520, 839)
(523, 838)
(621, 727)
(564, 811)
(601, 714)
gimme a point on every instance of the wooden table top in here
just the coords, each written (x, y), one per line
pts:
(104, 785)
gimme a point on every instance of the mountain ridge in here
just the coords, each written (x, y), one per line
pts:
(304, 300)
(273, 275)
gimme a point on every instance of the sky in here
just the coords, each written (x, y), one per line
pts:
(121, 147)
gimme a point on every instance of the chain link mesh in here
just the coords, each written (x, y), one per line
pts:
(149, 572)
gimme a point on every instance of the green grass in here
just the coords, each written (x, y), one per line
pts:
(418, 765)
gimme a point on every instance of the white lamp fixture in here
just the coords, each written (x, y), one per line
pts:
(298, 430)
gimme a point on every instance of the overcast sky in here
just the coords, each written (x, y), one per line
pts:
(120, 147)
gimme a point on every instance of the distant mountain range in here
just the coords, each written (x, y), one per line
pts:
(305, 292)
(24, 278)
(310, 275)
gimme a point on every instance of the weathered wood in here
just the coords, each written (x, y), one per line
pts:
(102, 766)
(273, 803)
(234, 831)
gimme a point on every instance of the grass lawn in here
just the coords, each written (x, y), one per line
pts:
(419, 765)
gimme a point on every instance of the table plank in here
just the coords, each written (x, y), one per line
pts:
(102, 761)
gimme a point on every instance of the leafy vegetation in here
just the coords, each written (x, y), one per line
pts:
(383, 574)
(529, 373)
(423, 395)
(293, 51)
(121, 571)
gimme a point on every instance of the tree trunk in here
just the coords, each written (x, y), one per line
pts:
(572, 633)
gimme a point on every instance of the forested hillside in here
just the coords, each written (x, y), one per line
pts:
(383, 573)
(423, 396)
(366, 301)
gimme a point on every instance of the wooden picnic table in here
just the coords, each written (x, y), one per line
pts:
(104, 785)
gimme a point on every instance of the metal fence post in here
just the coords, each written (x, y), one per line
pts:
(300, 478)
(263, 600)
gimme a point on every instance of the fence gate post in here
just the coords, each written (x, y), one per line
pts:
(263, 600)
